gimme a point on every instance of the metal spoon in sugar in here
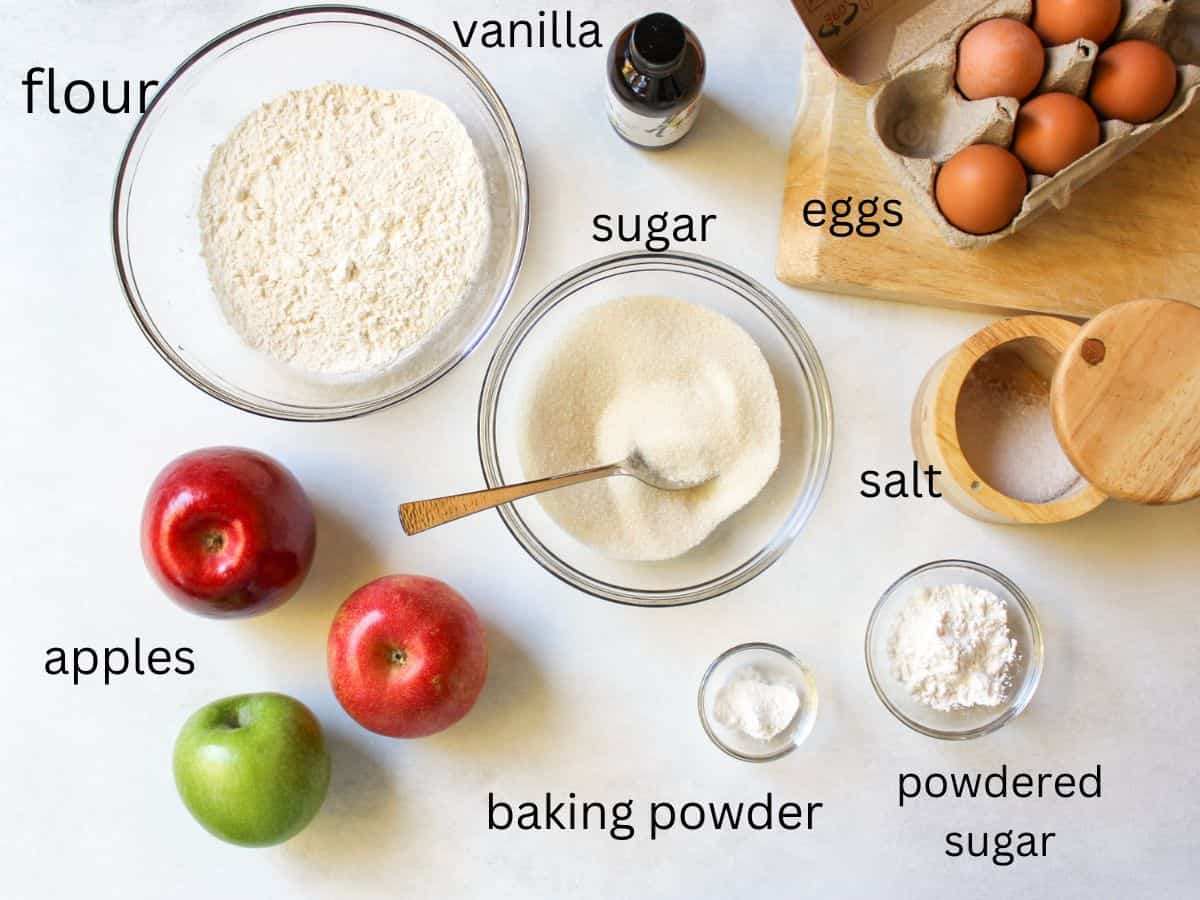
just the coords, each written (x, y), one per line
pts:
(421, 515)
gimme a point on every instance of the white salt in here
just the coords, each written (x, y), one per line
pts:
(1006, 432)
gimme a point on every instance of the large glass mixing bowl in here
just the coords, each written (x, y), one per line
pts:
(156, 235)
(743, 546)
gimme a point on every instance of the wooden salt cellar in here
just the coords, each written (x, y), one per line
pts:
(1124, 399)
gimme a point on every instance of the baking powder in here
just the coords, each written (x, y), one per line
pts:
(748, 703)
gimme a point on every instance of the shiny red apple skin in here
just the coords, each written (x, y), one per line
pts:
(228, 532)
(407, 656)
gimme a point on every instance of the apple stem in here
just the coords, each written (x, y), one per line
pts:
(399, 657)
(213, 541)
(231, 719)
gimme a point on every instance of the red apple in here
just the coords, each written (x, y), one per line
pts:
(228, 532)
(407, 656)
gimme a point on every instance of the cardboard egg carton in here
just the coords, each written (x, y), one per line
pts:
(919, 120)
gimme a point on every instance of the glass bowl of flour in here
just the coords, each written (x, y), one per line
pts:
(954, 650)
(784, 485)
(323, 211)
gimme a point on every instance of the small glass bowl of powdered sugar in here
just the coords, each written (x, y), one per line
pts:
(954, 650)
(757, 702)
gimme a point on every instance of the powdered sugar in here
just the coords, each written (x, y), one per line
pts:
(342, 224)
(950, 647)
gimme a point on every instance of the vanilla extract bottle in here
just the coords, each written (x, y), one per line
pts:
(655, 80)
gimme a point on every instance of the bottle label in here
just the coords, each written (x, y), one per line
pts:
(650, 131)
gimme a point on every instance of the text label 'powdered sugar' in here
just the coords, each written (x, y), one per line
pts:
(1003, 847)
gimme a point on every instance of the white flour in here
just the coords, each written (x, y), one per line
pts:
(682, 384)
(342, 224)
(951, 647)
(748, 703)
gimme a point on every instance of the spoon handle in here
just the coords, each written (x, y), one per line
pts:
(422, 515)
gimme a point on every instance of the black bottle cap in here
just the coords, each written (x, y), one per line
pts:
(657, 44)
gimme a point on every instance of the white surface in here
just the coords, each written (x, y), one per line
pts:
(583, 696)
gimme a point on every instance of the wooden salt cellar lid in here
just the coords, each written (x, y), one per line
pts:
(1126, 401)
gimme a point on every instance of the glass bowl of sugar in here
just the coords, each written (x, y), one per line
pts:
(757, 702)
(354, 332)
(954, 650)
(746, 543)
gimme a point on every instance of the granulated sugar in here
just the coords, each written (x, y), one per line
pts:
(1006, 433)
(685, 387)
(694, 441)
(343, 224)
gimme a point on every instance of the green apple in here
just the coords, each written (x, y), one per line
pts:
(252, 769)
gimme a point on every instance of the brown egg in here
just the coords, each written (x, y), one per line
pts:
(1133, 81)
(1065, 21)
(1054, 130)
(980, 188)
(999, 58)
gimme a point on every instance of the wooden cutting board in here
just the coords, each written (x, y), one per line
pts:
(1133, 232)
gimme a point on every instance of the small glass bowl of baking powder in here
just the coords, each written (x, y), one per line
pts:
(971, 722)
(744, 545)
(156, 230)
(769, 668)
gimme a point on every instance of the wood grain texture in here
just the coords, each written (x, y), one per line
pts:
(1130, 233)
(1126, 402)
(1040, 342)
(421, 515)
